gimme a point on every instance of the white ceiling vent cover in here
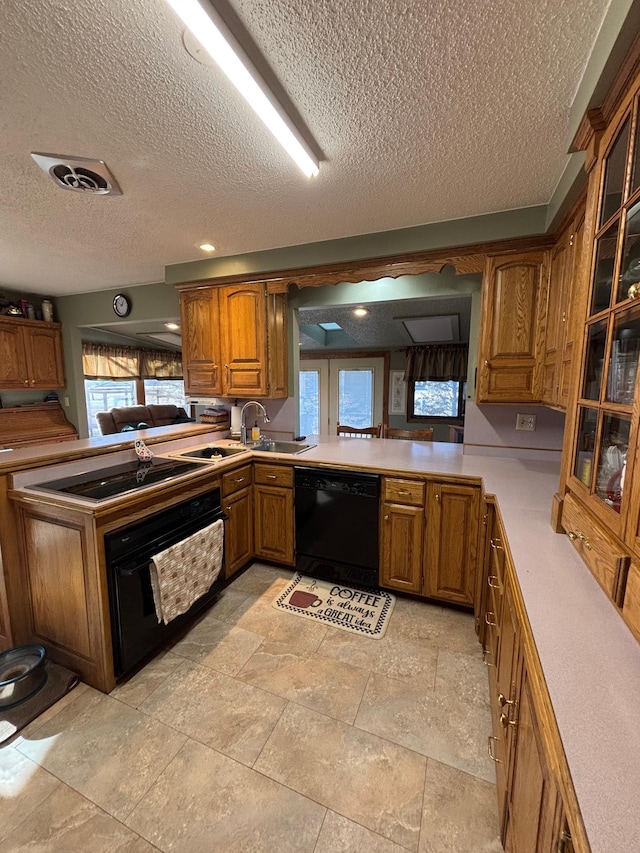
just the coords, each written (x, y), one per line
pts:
(78, 174)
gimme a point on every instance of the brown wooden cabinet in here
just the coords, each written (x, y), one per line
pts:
(524, 743)
(273, 512)
(510, 362)
(402, 519)
(235, 341)
(237, 502)
(452, 542)
(565, 262)
(202, 365)
(30, 355)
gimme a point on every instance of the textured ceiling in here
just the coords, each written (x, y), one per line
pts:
(381, 328)
(424, 111)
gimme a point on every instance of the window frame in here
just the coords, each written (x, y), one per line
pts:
(449, 419)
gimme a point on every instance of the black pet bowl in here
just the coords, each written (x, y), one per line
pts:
(22, 674)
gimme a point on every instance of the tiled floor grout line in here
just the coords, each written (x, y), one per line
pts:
(324, 817)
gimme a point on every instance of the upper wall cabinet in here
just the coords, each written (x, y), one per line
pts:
(30, 355)
(566, 256)
(235, 341)
(510, 363)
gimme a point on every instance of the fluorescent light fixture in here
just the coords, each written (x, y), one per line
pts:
(207, 247)
(360, 312)
(207, 26)
(440, 329)
(173, 326)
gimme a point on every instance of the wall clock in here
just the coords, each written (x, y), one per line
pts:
(121, 305)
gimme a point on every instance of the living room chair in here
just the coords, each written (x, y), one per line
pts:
(360, 432)
(410, 434)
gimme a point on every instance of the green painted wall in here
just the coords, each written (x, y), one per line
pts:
(148, 302)
(474, 229)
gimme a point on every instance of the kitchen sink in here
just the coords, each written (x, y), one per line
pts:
(214, 452)
(292, 447)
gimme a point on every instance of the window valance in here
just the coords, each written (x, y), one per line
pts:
(104, 361)
(437, 362)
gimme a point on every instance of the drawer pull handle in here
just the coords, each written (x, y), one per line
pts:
(584, 541)
(493, 585)
(272, 476)
(404, 492)
(489, 621)
(485, 654)
(490, 749)
(239, 480)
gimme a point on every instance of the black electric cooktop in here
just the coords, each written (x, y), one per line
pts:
(120, 479)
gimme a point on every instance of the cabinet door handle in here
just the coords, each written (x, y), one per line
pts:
(227, 509)
(490, 749)
(485, 654)
(496, 544)
(33, 381)
(564, 841)
(489, 621)
(26, 381)
(502, 700)
(571, 535)
(438, 497)
(493, 585)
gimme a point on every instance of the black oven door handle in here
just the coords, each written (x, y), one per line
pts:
(127, 570)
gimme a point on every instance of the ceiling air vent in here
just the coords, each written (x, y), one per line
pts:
(78, 174)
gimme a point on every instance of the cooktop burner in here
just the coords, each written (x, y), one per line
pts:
(120, 479)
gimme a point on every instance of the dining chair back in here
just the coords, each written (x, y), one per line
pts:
(360, 432)
(410, 434)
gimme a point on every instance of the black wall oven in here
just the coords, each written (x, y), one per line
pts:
(134, 624)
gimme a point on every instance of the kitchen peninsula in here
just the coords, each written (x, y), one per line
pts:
(586, 653)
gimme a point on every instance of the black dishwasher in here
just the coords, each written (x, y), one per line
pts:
(337, 525)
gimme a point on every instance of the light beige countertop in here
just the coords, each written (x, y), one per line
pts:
(590, 659)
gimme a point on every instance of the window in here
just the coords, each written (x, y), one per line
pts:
(104, 394)
(435, 399)
(309, 402)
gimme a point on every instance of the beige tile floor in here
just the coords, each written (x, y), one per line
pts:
(258, 731)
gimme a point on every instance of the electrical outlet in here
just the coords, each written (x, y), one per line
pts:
(66, 401)
(526, 422)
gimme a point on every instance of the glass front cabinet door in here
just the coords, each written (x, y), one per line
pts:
(606, 432)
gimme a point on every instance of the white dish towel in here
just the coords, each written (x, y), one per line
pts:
(185, 571)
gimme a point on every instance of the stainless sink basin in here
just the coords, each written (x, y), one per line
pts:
(213, 452)
(292, 447)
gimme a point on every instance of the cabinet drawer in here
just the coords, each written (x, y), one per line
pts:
(598, 549)
(239, 478)
(403, 491)
(272, 475)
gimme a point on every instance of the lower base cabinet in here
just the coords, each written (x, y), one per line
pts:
(273, 513)
(452, 543)
(401, 546)
(530, 803)
(237, 503)
(238, 531)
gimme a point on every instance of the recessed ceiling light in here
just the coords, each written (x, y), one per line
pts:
(207, 247)
(360, 312)
(173, 326)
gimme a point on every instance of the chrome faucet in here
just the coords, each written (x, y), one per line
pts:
(243, 426)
